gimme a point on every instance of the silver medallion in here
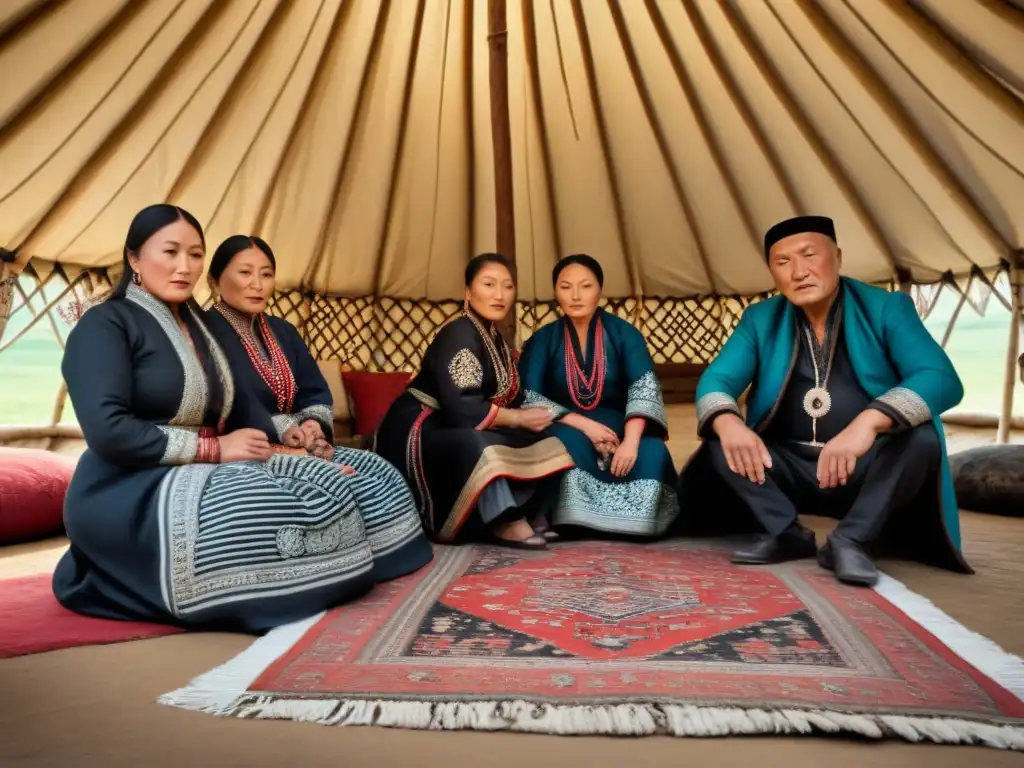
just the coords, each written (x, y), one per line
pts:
(817, 402)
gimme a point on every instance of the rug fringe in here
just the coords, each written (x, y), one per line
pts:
(606, 720)
(222, 686)
(977, 650)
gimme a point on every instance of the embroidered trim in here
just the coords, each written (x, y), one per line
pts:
(910, 405)
(643, 507)
(195, 390)
(305, 540)
(465, 370)
(712, 404)
(282, 423)
(220, 362)
(182, 445)
(533, 399)
(195, 394)
(194, 577)
(644, 399)
(322, 414)
(414, 470)
(503, 360)
(424, 399)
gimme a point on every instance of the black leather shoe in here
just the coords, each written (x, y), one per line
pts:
(790, 545)
(850, 562)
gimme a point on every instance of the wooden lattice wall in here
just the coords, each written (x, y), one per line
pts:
(383, 333)
(391, 334)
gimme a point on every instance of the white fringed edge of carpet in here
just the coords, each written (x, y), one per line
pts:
(223, 692)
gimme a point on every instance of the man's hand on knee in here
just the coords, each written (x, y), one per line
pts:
(744, 450)
(839, 457)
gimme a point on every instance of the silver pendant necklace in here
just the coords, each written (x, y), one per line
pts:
(817, 400)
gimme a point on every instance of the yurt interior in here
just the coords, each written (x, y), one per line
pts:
(378, 146)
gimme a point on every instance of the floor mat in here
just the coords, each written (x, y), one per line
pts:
(624, 639)
(32, 621)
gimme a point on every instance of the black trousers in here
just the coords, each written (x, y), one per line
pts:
(887, 478)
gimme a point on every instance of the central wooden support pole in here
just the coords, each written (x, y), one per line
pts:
(501, 138)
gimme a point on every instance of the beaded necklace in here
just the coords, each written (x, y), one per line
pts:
(585, 392)
(504, 362)
(272, 368)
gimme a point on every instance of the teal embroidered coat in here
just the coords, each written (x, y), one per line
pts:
(894, 357)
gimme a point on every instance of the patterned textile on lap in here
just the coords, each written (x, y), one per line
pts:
(268, 358)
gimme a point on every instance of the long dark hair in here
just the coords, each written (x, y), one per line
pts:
(233, 246)
(147, 223)
(480, 261)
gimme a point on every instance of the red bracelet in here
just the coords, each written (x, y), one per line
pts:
(208, 451)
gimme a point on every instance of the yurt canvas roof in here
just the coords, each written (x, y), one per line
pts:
(661, 136)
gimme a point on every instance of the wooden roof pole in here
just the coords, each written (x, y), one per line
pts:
(6, 286)
(501, 137)
(1016, 281)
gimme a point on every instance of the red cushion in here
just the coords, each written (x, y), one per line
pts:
(32, 488)
(371, 394)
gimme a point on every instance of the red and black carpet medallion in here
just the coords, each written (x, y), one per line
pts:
(614, 638)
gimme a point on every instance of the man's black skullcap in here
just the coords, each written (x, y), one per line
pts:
(798, 225)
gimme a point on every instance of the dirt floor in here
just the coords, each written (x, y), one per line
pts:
(95, 706)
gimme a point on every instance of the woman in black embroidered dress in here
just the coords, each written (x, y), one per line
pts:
(462, 434)
(178, 512)
(269, 359)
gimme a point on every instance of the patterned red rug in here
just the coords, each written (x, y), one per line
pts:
(614, 638)
(32, 621)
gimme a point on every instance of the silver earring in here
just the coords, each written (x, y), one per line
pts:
(135, 278)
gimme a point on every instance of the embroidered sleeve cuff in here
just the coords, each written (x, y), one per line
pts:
(282, 423)
(492, 414)
(711, 405)
(182, 446)
(533, 399)
(906, 404)
(321, 414)
(644, 400)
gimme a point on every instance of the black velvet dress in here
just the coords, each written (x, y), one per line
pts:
(439, 435)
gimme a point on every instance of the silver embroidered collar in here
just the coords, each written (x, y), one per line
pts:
(195, 394)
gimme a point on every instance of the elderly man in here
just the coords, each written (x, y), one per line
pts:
(846, 386)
